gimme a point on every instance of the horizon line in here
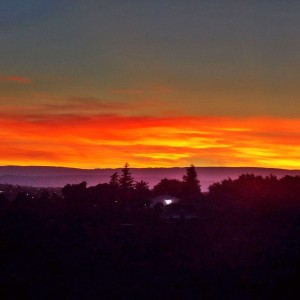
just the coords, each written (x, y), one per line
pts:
(117, 168)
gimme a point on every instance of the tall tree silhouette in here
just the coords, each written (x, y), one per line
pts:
(125, 185)
(191, 185)
(126, 180)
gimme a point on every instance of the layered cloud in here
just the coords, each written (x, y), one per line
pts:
(108, 140)
(39, 106)
(15, 79)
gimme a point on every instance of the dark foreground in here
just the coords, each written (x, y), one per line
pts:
(108, 242)
(236, 256)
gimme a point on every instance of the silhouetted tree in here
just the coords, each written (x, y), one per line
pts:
(114, 183)
(114, 180)
(75, 193)
(191, 185)
(142, 193)
(172, 187)
(255, 234)
(126, 180)
(73, 190)
(125, 185)
(141, 185)
(102, 199)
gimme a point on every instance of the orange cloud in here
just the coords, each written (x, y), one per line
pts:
(16, 79)
(110, 140)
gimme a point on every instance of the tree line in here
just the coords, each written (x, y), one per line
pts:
(122, 192)
(108, 242)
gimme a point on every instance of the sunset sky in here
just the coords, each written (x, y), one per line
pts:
(158, 83)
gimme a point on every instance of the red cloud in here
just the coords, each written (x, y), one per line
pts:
(16, 79)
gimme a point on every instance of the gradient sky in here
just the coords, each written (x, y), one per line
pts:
(156, 83)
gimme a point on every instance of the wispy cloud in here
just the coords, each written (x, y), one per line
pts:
(15, 79)
(44, 105)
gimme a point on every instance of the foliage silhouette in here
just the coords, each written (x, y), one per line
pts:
(114, 180)
(172, 187)
(126, 181)
(191, 185)
(83, 243)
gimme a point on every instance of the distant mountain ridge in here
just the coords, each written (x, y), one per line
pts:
(40, 176)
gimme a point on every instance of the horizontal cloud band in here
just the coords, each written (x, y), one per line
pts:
(110, 140)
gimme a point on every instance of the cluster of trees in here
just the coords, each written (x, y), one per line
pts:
(122, 199)
(105, 242)
(189, 189)
(256, 192)
(124, 192)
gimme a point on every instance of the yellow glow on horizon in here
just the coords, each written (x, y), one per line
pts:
(256, 152)
(282, 163)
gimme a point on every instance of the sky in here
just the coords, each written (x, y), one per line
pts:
(161, 83)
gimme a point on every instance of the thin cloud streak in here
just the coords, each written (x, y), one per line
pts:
(45, 106)
(15, 79)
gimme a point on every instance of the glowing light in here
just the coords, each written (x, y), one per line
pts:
(168, 201)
